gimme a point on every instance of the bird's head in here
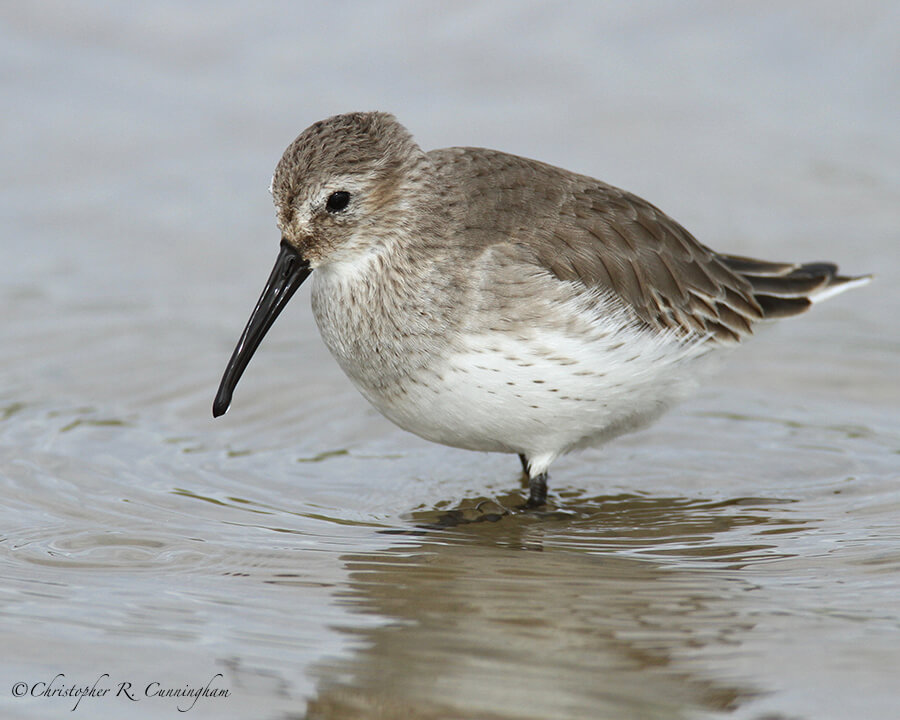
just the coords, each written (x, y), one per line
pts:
(342, 190)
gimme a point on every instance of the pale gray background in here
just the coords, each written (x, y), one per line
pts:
(140, 538)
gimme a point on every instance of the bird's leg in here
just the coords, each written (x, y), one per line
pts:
(537, 486)
(537, 491)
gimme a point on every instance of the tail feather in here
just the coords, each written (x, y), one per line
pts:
(760, 268)
(786, 289)
(789, 286)
(838, 284)
(775, 308)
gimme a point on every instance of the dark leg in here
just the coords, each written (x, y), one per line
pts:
(524, 461)
(537, 491)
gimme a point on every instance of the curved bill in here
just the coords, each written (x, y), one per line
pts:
(288, 274)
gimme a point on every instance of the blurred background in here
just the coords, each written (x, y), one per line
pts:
(738, 559)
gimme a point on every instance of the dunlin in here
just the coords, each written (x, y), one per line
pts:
(490, 302)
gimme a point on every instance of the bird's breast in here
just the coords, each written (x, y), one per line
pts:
(380, 334)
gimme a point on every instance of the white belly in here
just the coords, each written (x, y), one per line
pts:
(544, 396)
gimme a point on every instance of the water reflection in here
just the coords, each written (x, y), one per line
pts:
(562, 613)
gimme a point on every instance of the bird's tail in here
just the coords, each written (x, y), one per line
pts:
(786, 289)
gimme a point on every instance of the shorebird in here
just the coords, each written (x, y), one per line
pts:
(491, 302)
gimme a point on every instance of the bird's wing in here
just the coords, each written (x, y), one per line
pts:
(583, 230)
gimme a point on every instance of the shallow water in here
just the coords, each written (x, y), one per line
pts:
(739, 559)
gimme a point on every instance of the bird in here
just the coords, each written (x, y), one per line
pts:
(496, 303)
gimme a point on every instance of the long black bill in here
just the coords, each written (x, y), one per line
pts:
(288, 274)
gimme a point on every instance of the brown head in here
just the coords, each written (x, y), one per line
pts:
(341, 190)
(339, 180)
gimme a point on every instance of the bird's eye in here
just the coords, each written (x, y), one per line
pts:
(337, 201)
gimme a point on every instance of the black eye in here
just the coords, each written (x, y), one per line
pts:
(337, 201)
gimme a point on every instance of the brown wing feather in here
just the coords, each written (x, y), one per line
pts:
(583, 230)
(626, 245)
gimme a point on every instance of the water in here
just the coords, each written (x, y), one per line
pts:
(739, 559)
